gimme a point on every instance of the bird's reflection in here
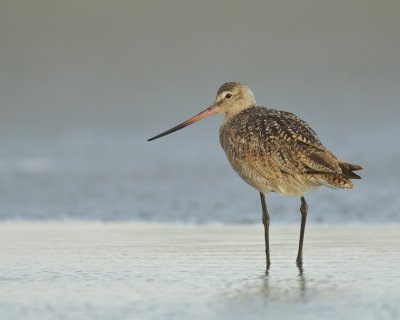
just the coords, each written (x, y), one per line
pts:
(273, 285)
(302, 279)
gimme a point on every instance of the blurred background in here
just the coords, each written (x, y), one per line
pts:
(84, 83)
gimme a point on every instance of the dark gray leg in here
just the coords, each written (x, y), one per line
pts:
(265, 220)
(303, 210)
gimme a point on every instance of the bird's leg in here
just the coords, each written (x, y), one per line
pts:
(303, 210)
(265, 220)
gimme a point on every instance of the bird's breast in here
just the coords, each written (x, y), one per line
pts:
(247, 154)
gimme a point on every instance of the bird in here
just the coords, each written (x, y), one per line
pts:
(273, 151)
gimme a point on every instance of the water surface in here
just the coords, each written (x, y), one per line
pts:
(131, 271)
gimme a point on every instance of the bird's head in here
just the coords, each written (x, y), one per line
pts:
(232, 98)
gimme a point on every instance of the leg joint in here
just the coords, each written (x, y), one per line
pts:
(304, 206)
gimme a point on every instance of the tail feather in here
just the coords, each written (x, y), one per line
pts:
(348, 168)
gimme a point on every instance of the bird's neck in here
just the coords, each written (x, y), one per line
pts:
(235, 111)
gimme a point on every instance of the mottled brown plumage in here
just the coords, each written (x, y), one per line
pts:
(276, 151)
(273, 151)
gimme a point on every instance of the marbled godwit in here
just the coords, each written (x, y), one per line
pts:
(273, 151)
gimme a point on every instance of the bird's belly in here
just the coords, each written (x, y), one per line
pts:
(283, 183)
(252, 177)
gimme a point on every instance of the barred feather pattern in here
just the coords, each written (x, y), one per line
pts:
(276, 151)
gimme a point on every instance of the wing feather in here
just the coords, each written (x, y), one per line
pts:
(276, 142)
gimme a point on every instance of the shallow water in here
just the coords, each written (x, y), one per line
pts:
(133, 271)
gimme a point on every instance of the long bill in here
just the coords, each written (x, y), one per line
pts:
(208, 112)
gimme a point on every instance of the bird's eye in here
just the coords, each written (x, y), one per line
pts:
(228, 96)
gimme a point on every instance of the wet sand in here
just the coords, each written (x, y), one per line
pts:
(90, 270)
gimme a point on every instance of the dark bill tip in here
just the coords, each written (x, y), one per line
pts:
(208, 112)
